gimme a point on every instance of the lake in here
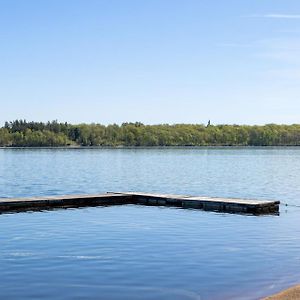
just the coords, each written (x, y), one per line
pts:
(142, 252)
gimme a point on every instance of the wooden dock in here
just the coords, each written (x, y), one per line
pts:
(230, 205)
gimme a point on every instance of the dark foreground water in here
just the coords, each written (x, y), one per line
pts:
(138, 252)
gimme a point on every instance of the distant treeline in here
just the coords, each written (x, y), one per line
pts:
(21, 133)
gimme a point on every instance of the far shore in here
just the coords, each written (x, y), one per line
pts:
(291, 293)
(152, 147)
(21, 133)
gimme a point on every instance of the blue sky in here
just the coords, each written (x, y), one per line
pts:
(154, 61)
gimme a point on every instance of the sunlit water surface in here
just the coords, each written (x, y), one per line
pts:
(139, 252)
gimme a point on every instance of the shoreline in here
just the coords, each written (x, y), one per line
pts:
(291, 293)
(154, 147)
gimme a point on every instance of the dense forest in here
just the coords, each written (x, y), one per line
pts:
(20, 133)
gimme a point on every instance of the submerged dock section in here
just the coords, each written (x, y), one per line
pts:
(230, 205)
(38, 203)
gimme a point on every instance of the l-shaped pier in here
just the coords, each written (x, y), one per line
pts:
(230, 205)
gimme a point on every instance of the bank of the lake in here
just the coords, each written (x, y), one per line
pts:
(20, 133)
(292, 293)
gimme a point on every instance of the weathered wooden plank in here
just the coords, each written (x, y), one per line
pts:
(10, 204)
(206, 203)
(233, 205)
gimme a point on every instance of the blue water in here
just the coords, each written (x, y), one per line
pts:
(138, 252)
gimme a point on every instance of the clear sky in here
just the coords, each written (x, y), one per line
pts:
(154, 61)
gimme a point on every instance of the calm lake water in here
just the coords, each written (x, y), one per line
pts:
(138, 252)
